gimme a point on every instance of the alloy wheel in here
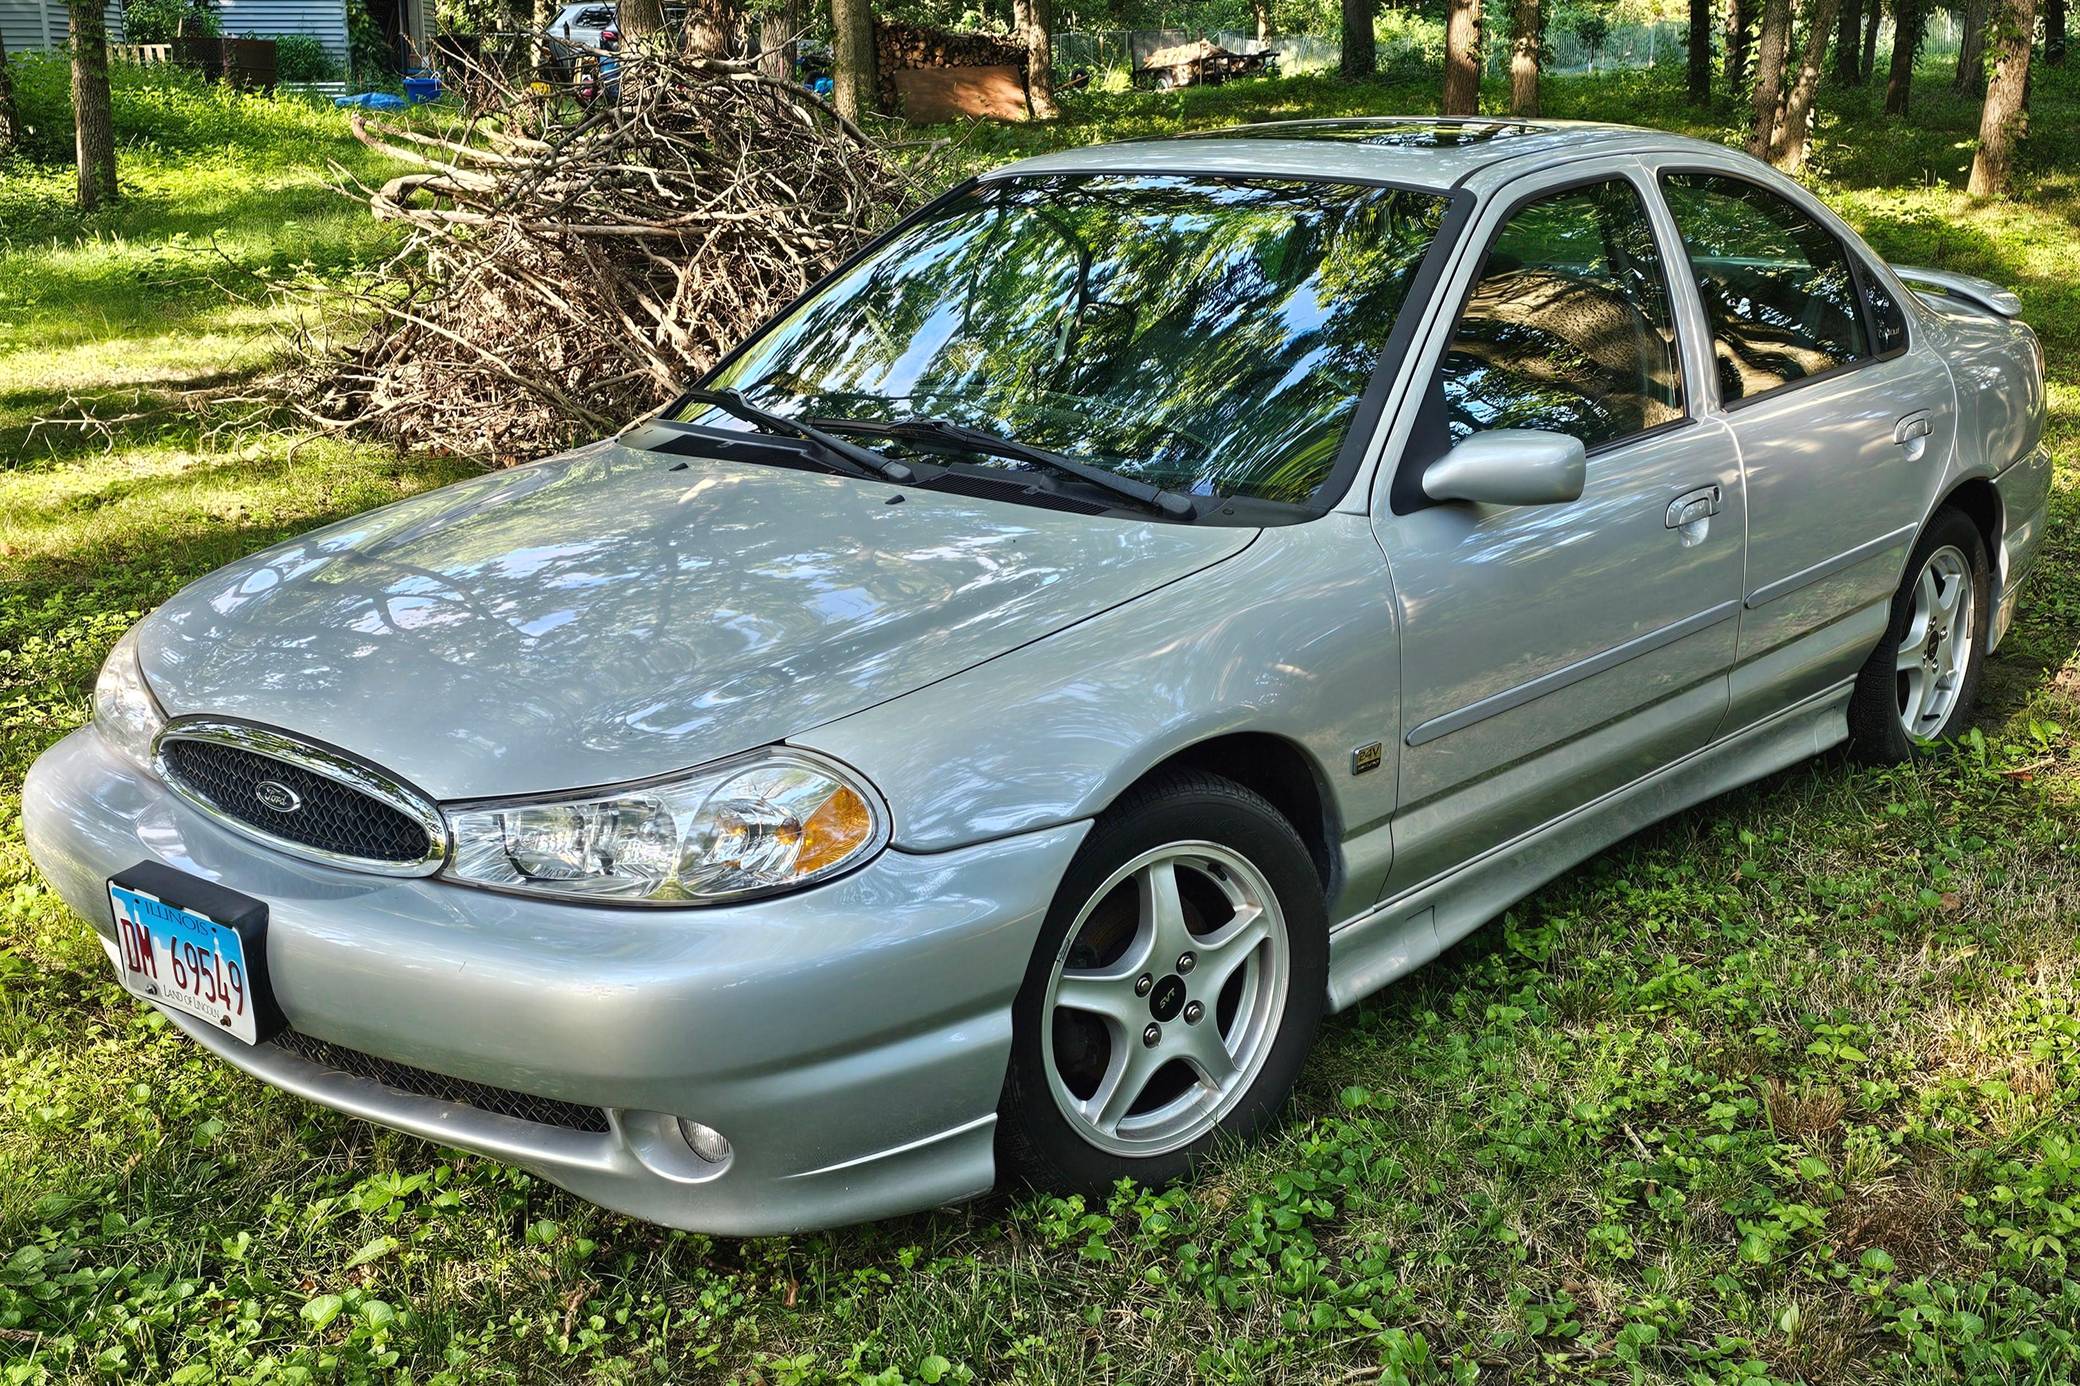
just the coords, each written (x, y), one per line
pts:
(1166, 998)
(1936, 649)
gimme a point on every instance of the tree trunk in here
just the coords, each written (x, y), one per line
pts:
(93, 119)
(2055, 33)
(1527, 32)
(1700, 74)
(1788, 146)
(1971, 49)
(1261, 9)
(778, 29)
(1033, 22)
(1462, 68)
(2005, 115)
(712, 28)
(1908, 23)
(639, 21)
(10, 124)
(1771, 48)
(1870, 41)
(1360, 57)
(852, 59)
(538, 47)
(1848, 24)
(1740, 20)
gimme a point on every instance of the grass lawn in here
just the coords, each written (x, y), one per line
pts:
(1782, 1089)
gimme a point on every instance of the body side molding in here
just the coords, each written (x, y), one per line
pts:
(1552, 682)
(1828, 567)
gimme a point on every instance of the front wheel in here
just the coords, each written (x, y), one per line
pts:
(1923, 678)
(1174, 991)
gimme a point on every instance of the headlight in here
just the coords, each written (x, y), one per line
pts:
(125, 712)
(769, 821)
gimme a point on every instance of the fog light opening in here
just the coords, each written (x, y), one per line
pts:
(706, 1141)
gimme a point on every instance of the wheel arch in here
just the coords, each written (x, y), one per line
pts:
(1979, 500)
(1283, 773)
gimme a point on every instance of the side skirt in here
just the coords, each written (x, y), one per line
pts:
(1401, 934)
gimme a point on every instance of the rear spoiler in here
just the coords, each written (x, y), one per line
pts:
(1982, 293)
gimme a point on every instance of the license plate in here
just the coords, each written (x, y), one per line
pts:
(210, 965)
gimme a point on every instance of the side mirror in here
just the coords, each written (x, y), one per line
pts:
(1510, 466)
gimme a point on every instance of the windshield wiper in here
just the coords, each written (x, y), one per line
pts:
(864, 460)
(997, 445)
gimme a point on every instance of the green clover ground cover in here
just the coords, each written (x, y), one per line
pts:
(1787, 1088)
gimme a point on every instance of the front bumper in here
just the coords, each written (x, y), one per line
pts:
(849, 1040)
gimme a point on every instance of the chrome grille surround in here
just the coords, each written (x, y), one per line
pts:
(349, 772)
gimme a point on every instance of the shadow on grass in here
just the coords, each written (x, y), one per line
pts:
(45, 428)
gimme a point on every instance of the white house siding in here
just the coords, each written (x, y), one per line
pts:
(28, 24)
(323, 20)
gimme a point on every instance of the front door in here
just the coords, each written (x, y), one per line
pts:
(1553, 653)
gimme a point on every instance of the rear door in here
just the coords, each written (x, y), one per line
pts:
(1553, 653)
(1845, 426)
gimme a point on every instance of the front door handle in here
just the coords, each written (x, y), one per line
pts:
(1692, 506)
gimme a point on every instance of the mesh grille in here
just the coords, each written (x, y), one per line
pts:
(543, 1111)
(332, 817)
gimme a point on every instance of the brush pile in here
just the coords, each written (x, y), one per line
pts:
(568, 267)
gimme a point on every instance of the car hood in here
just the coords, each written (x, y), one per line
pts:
(609, 615)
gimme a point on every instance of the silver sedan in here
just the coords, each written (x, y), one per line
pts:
(1156, 595)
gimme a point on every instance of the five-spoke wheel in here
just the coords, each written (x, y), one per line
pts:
(1173, 991)
(1165, 998)
(1937, 648)
(1919, 683)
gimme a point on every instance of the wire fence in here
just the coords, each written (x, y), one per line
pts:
(1566, 50)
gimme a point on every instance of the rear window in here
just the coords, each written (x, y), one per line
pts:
(1775, 283)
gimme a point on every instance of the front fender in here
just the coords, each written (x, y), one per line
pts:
(1293, 637)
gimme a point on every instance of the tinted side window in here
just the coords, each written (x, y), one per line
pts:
(1568, 328)
(1776, 285)
(1888, 323)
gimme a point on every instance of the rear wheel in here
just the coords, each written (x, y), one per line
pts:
(1174, 991)
(1923, 678)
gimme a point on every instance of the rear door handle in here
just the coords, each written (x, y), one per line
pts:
(1912, 426)
(1692, 506)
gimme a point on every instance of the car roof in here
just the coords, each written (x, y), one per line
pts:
(1420, 151)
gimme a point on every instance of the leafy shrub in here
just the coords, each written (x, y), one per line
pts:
(372, 55)
(156, 21)
(301, 58)
(169, 109)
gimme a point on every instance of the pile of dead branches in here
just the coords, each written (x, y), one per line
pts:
(568, 267)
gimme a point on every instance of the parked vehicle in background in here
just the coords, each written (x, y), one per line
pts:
(1155, 595)
(582, 24)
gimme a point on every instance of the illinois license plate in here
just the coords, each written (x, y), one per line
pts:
(170, 952)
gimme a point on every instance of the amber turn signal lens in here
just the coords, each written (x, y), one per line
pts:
(834, 831)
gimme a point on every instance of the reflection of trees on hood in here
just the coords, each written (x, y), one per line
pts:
(1211, 335)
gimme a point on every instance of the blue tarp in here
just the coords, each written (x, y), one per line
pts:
(373, 100)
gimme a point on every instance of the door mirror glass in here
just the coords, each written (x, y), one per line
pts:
(1510, 466)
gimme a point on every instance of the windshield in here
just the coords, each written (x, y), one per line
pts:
(1207, 336)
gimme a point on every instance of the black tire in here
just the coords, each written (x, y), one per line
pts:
(1876, 734)
(1036, 1142)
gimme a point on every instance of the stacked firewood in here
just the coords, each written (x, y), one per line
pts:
(568, 267)
(898, 45)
